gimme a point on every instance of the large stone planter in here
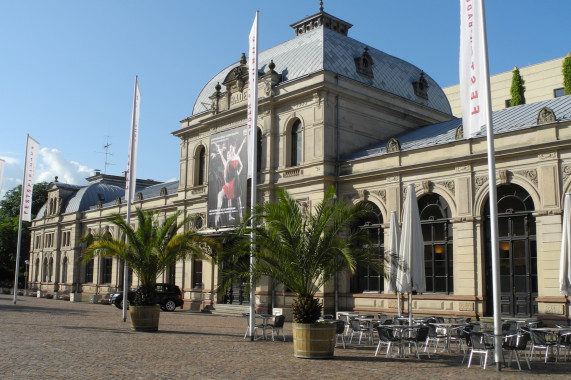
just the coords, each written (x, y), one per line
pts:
(145, 318)
(313, 340)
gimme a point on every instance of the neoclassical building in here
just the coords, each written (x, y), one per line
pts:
(335, 111)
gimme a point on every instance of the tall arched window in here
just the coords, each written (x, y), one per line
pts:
(259, 150)
(438, 248)
(201, 166)
(45, 270)
(64, 270)
(517, 252)
(365, 278)
(296, 147)
(51, 270)
(89, 271)
(36, 270)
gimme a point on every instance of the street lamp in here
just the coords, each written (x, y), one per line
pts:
(26, 277)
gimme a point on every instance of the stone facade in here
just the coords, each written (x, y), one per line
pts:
(370, 142)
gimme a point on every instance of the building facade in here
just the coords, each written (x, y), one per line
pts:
(543, 81)
(334, 111)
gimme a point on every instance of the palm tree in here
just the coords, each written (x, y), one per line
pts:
(303, 250)
(151, 248)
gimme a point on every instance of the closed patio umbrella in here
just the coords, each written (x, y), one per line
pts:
(565, 260)
(411, 253)
(393, 251)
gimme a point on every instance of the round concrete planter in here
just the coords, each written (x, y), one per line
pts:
(313, 340)
(145, 318)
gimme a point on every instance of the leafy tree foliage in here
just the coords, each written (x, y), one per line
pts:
(567, 74)
(9, 216)
(517, 89)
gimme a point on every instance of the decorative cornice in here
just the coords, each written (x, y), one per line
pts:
(530, 174)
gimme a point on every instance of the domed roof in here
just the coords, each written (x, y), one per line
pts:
(321, 49)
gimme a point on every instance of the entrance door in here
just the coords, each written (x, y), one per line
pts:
(517, 253)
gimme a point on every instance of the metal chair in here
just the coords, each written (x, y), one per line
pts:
(387, 338)
(542, 340)
(340, 332)
(514, 343)
(277, 326)
(358, 328)
(256, 325)
(434, 336)
(480, 346)
(415, 336)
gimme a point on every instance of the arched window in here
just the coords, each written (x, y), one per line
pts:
(258, 150)
(201, 166)
(51, 270)
(64, 270)
(438, 248)
(517, 253)
(45, 270)
(365, 278)
(89, 271)
(36, 270)
(296, 147)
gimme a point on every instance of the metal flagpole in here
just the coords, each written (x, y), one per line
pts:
(252, 141)
(493, 203)
(130, 185)
(25, 200)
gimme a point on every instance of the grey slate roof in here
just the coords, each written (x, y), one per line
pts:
(91, 194)
(505, 120)
(323, 49)
(149, 192)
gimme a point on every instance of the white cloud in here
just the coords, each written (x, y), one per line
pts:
(51, 163)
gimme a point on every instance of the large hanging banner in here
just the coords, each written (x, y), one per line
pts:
(227, 177)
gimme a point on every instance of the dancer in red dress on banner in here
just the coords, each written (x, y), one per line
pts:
(231, 189)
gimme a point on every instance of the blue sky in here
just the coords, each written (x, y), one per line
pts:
(67, 67)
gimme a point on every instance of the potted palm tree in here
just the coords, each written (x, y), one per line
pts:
(148, 250)
(303, 250)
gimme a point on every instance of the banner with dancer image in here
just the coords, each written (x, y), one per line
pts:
(227, 177)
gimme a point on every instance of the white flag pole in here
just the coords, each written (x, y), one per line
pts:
(130, 184)
(252, 154)
(2, 162)
(32, 151)
(477, 110)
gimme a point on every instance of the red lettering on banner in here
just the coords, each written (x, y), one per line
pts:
(476, 110)
(473, 79)
(474, 95)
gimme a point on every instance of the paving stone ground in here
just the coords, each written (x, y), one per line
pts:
(54, 339)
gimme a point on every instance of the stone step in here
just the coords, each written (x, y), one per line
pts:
(235, 310)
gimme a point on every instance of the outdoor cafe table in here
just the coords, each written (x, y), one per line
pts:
(370, 324)
(265, 318)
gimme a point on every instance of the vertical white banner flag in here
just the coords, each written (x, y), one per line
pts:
(131, 176)
(32, 151)
(1, 173)
(473, 67)
(252, 96)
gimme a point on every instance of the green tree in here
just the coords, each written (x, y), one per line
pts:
(303, 250)
(151, 248)
(567, 74)
(9, 217)
(517, 89)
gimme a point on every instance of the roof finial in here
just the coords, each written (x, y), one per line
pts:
(320, 5)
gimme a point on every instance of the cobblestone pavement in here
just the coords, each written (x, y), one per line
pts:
(54, 339)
